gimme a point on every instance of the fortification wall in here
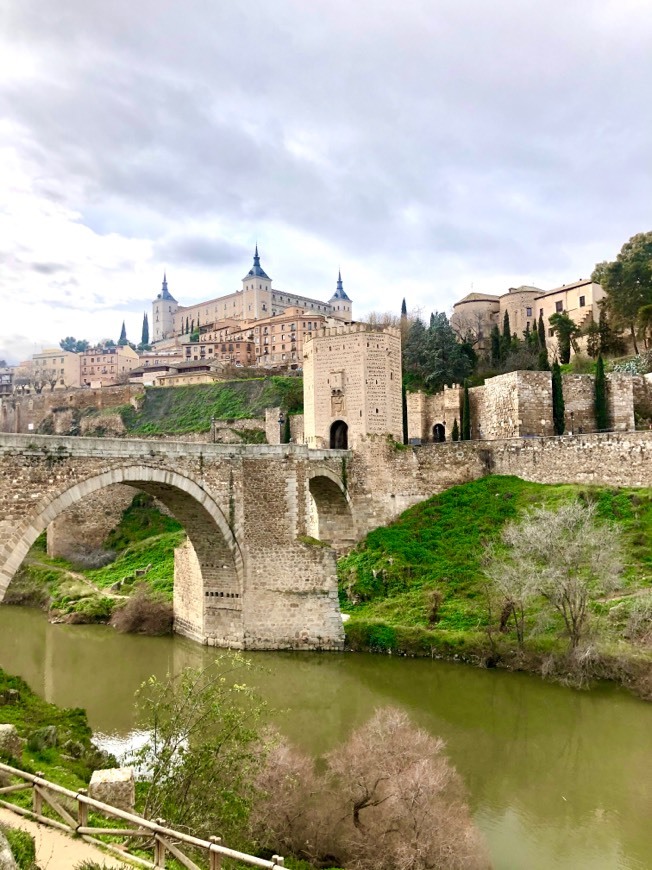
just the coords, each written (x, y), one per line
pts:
(26, 413)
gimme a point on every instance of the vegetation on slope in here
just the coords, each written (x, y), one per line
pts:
(190, 409)
(418, 585)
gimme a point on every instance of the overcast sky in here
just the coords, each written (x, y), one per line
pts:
(428, 147)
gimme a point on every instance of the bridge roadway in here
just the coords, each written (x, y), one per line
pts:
(251, 575)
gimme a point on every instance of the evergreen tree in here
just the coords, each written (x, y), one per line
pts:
(600, 403)
(466, 415)
(122, 341)
(593, 339)
(566, 330)
(495, 345)
(604, 330)
(455, 434)
(507, 332)
(145, 334)
(541, 331)
(557, 400)
(187, 326)
(287, 430)
(543, 364)
(403, 309)
(432, 320)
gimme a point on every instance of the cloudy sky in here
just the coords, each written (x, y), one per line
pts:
(428, 147)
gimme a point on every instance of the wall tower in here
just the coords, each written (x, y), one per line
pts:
(164, 308)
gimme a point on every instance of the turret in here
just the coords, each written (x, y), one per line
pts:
(341, 306)
(164, 308)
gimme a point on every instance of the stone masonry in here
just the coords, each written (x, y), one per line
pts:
(250, 576)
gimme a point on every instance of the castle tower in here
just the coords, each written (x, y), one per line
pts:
(257, 291)
(341, 307)
(164, 308)
(352, 385)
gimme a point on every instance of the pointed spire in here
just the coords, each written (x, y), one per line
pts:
(339, 292)
(256, 270)
(165, 293)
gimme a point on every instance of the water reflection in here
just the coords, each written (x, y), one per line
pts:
(557, 778)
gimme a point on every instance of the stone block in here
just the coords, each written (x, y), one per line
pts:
(10, 742)
(115, 786)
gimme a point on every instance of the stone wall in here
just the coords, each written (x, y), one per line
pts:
(519, 404)
(81, 529)
(26, 413)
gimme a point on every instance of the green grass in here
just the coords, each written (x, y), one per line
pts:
(388, 581)
(176, 410)
(22, 847)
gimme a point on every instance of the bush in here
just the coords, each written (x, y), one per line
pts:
(144, 613)
(22, 847)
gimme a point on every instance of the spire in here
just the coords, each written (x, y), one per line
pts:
(165, 293)
(256, 271)
(339, 292)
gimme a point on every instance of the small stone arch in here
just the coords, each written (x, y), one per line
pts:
(213, 569)
(330, 517)
(339, 435)
(439, 433)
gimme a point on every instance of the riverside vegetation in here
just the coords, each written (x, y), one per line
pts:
(387, 798)
(421, 586)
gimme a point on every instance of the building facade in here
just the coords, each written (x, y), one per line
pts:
(352, 385)
(256, 300)
(105, 366)
(56, 369)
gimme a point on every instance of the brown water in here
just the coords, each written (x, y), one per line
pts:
(557, 778)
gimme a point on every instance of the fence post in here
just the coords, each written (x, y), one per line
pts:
(82, 810)
(37, 799)
(215, 859)
(277, 859)
(159, 851)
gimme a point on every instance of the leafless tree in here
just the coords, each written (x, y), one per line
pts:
(472, 327)
(388, 799)
(566, 555)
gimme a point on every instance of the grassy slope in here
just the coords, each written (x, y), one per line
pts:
(387, 582)
(190, 409)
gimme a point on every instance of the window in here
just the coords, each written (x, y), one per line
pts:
(528, 312)
(582, 301)
(559, 307)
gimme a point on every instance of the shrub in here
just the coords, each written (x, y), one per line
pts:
(22, 847)
(144, 613)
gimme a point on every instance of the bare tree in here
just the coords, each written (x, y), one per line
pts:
(566, 556)
(388, 799)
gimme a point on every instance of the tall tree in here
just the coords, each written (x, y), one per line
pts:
(644, 324)
(566, 330)
(403, 308)
(466, 415)
(447, 361)
(557, 400)
(593, 339)
(605, 342)
(455, 434)
(627, 281)
(541, 331)
(600, 402)
(495, 345)
(145, 333)
(122, 341)
(74, 345)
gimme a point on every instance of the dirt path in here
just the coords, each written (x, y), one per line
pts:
(58, 851)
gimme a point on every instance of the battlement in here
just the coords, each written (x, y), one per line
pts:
(352, 329)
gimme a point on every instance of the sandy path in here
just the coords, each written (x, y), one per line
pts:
(56, 850)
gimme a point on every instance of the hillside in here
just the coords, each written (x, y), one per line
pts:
(417, 586)
(170, 410)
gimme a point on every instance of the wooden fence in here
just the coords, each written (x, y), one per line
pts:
(152, 834)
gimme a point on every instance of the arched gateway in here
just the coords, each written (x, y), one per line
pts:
(247, 577)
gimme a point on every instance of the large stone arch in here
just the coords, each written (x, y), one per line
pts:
(329, 509)
(209, 573)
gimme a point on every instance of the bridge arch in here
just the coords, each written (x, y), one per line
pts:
(329, 509)
(208, 594)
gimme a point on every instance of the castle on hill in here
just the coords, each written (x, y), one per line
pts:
(256, 301)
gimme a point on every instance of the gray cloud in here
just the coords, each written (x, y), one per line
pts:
(498, 137)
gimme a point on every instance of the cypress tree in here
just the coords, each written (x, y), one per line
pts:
(541, 329)
(605, 336)
(600, 403)
(495, 345)
(466, 415)
(403, 308)
(287, 431)
(455, 434)
(145, 333)
(507, 332)
(557, 400)
(432, 320)
(123, 335)
(543, 365)
(187, 326)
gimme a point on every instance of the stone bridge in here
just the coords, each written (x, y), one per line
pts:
(252, 575)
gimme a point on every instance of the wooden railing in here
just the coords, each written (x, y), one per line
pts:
(154, 835)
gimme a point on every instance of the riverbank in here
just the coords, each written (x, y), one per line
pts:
(418, 587)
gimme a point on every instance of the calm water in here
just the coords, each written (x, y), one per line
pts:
(556, 778)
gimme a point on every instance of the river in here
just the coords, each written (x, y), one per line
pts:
(557, 778)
